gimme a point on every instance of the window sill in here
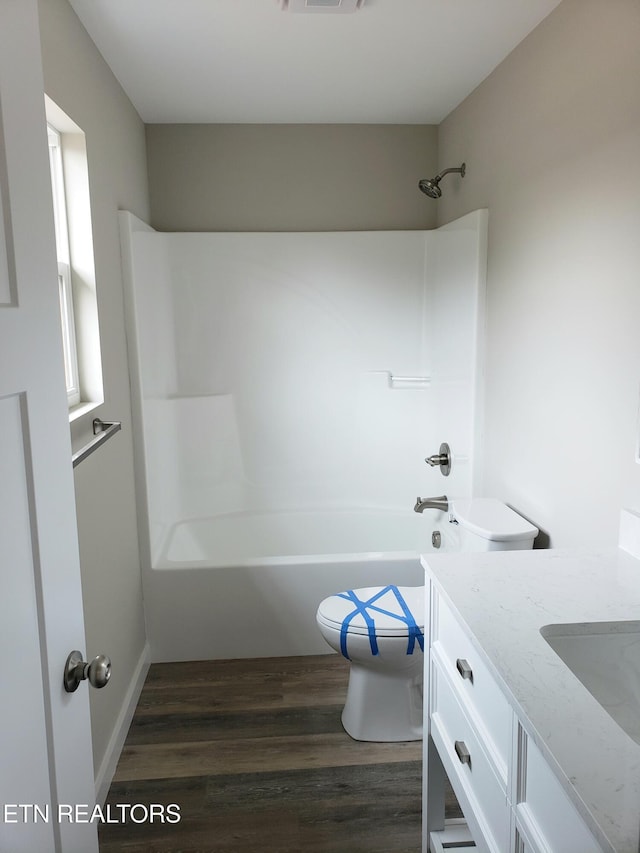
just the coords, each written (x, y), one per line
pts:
(81, 409)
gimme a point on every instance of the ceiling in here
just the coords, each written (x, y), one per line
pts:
(246, 61)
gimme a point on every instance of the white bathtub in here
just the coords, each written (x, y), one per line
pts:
(248, 584)
(300, 536)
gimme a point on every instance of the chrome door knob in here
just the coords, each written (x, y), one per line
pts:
(97, 673)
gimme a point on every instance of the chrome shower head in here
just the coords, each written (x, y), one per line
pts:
(431, 186)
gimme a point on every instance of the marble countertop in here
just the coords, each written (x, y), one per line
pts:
(505, 598)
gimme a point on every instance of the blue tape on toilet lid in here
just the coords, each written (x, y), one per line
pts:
(335, 609)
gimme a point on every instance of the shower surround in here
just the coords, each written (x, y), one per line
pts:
(287, 388)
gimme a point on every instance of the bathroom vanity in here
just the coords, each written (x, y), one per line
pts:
(531, 656)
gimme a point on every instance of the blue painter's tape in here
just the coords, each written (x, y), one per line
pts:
(414, 631)
(363, 608)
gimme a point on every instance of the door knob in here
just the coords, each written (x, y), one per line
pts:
(443, 459)
(98, 672)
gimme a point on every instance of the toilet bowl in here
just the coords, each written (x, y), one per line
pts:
(381, 631)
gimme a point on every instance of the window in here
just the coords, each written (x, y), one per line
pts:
(76, 266)
(71, 371)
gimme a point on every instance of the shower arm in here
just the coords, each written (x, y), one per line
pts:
(459, 170)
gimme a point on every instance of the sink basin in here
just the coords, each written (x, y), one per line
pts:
(605, 657)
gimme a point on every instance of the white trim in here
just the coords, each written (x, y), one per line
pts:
(83, 409)
(107, 768)
(72, 206)
(57, 188)
(60, 215)
(71, 369)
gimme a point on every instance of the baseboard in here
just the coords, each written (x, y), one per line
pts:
(107, 768)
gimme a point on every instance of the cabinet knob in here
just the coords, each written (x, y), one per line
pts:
(462, 752)
(464, 669)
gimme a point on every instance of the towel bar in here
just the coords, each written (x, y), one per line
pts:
(102, 430)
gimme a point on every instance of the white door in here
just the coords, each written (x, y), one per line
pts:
(45, 737)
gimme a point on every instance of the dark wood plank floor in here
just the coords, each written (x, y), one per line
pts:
(253, 753)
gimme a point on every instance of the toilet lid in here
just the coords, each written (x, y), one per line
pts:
(386, 611)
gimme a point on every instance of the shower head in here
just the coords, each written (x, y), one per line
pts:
(431, 186)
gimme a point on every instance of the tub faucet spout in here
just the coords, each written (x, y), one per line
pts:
(441, 502)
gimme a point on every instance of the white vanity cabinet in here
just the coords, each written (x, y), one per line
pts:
(511, 799)
(545, 819)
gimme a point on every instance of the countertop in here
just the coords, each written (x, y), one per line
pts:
(505, 598)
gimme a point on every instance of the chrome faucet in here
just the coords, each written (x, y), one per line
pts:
(432, 503)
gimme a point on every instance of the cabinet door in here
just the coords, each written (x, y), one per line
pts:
(527, 839)
(478, 691)
(545, 816)
(523, 846)
(480, 792)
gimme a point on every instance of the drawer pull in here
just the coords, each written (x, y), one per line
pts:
(464, 669)
(462, 752)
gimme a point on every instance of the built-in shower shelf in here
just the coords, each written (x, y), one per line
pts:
(385, 379)
(397, 381)
(177, 398)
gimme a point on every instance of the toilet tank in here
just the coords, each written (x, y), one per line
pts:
(486, 524)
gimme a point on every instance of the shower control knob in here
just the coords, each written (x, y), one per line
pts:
(436, 539)
(442, 459)
(97, 673)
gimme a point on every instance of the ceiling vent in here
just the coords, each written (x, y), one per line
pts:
(320, 5)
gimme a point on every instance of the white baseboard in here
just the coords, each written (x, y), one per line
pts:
(107, 768)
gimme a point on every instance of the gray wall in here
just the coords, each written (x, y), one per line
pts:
(290, 177)
(551, 141)
(79, 81)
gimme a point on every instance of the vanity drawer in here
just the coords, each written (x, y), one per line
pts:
(481, 793)
(545, 816)
(485, 702)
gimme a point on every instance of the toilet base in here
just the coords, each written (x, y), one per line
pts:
(383, 707)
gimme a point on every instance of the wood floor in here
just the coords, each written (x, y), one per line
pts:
(254, 755)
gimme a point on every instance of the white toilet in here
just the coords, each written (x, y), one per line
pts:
(381, 630)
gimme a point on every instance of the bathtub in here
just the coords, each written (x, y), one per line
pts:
(248, 584)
